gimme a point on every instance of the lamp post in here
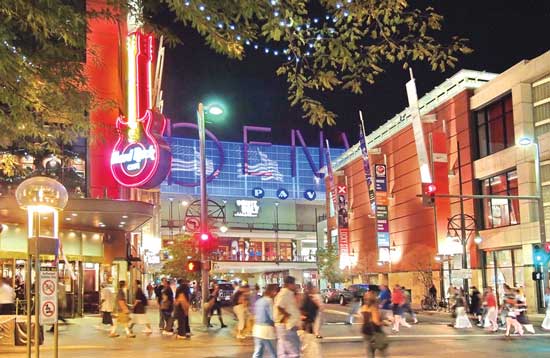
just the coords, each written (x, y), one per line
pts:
(41, 196)
(526, 142)
(213, 110)
(277, 246)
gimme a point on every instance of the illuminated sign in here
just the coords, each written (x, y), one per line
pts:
(247, 208)
(140, 158)
(258, 193)
(310, 195)
(282, 194)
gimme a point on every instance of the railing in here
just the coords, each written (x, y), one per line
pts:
(298, 258)
(248, 226)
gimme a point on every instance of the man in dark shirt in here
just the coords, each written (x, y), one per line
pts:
(215, 305)
(158, 293)
(123, 312)
(167, 306)
(181, 309)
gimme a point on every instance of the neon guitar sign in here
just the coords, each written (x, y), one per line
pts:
(140, 158)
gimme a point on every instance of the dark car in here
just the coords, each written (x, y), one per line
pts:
(356, 291)
(330, 295)
(226, 292)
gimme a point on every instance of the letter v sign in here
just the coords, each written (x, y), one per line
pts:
(310, 194)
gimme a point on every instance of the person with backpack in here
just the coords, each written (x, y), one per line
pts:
(375, 338)
(139, 316)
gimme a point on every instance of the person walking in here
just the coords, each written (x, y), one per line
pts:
(181, 310)
(310, 310)
(475, 305)
(407, 307)
(521, 304)
(158, 294)
(263, 330)
(242, 311)
(215, 305)
(546, 322)
(140, 316)
(355, 305)
(150, 290)
(461, 320)
(375, 338)
(7, 297)
(167, 307)
(287, 320)
(432, 291)
(492, 311)
(61, 304)
(123, 312)
(316, 296)
(384, 299)
(510, 304)
(398, 301)
(107, 299)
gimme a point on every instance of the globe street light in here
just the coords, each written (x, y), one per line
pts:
(40, 196)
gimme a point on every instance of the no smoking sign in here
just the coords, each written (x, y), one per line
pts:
(48, 295)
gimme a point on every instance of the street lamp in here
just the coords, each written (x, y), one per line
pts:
(41, 197)
(526, 142)
(213, 111)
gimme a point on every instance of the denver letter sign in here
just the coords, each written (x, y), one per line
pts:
(141, 158)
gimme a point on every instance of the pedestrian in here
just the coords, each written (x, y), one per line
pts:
(150, 290)
(287, 320)
(181, 310)
(123, 312)
(316, 296)
(215, 305)
(61, 304)
(375, 338)
(140, 304)
(546, 321)
(264, 324)
(461, 320)
(310, 310)
(107, 297)
(492, 311)
(158, 293)
(242, 311)
(7, 297)
(355, 306)
(512, 312)
(521, 304)
(167, 307)
(384, 299)
(433, 292)
(398, 301)
(407, 307)
(475, 305)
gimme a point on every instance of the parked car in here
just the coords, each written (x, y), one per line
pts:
(330, 295)
(356, 291)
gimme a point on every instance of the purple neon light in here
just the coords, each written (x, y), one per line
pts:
(293, 134)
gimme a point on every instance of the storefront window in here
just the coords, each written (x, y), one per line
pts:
(500, 212)
(504, 267)
(495, 127)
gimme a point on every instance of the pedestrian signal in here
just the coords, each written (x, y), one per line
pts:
(537, 276)
(193, 266)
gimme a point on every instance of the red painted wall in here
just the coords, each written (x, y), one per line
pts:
(412, 229)
(104, 78)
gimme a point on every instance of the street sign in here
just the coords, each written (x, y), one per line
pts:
(192, 224)
(48, 295)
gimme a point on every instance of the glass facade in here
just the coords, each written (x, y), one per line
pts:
(504, 267)
(500, 212)
(495, 127)
(270, 169)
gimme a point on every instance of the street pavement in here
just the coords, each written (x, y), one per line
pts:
(432, 337)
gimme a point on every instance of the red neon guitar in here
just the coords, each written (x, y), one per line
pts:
(141, 157)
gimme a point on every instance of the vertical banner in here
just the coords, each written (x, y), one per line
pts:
(366, 164)
(48, 295)
(343, 227)
(421, 152)
(382, 222)
(330, 173)
(441, 181)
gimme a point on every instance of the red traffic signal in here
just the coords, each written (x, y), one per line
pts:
(205, 237)
(428, 194)
(193, 266)
(431, 189)
(547, 247)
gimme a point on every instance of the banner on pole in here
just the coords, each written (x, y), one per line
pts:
(366, 165)
(382, 222)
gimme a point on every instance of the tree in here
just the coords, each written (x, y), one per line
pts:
(325, 46)
(328, 262)
(180, 253)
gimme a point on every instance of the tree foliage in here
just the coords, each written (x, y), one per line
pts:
(328, 263)
(343, 51)
(43, 93)
(179, 254)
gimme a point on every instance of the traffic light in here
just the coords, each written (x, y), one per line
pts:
(206, 241)
(193, 266)
(428, 194)
(540, 255)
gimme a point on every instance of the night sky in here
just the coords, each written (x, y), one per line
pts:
(501, 33)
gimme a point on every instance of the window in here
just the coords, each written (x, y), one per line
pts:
(495, 127)
(504, 267)
(500, 212)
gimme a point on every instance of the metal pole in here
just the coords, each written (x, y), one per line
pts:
(204, 209)
(542, 224)
(277, 246)
(28, 296)
(464, 239)
(37, 296)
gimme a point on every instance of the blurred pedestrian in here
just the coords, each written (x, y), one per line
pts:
(521, 304)
(310, 308)
(398, 301)
(512, 312)
(140, 304)
(181, 310)
(123, 312)
(167, 307)
(384, 299)
(546, 322)
(492, 311)
(355, 306)
(61, 304)
(461, 320)
(215, 305)
(242, 311)
(150, 290)
(107, 299)
(375, 338)
(475, 305)
(318, 299)
(264, 324)
(407, 307)
(287, 320)
(158, 293)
